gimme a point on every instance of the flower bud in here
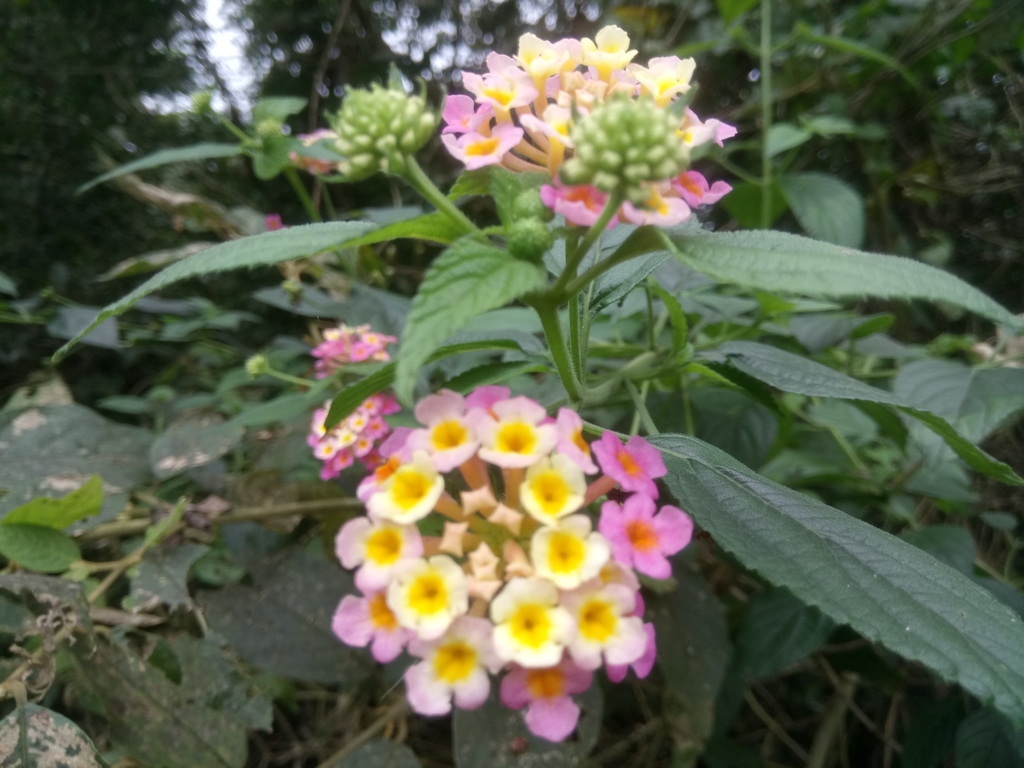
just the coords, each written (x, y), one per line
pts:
(378, 128)
(256, 365)
(268, 128)
(529, 239)
(528, 205)
(201, 101)
(623, 145)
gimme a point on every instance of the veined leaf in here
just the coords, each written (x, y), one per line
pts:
(60, 513)
(792, 373)
(469, 183)
(203, 151)
(777, 261)
(505, 186)
(884, 588)
(826, 207)
(256, 251)
(352, 396)
(437, 227)
(468, 279)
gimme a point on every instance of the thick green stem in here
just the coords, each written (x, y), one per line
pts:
(766, 112)
(300, 190)
(548, 313)
(422, 184)
(611, 207)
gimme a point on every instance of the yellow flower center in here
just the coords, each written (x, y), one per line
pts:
(565, 553)
(384, 546)
(428, 594)
(380, 615)
(410, 488)
(516, 437)
(545, 683)
(448, 434)
(481, 148)
(501, 95)
(551, 491)
(530, 625)
(597, 621)
(641, 535)
(455, 661)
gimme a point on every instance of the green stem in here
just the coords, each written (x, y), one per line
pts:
(574, 333)
(239, 133)
(288, 377)
(766, 112)
(687, 406)
(611, 207)
(641, 414)
(552, 326)
(300, 190)
(594, 272)
(422, 184)
(332, 214)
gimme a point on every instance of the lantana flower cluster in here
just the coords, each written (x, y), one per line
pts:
(358, 436)
(526, 580)
(559, 108)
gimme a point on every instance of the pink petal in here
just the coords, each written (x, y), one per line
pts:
(552, 719)
(718, 190)
(388, 645)
(514, 691)
(616, 672)
(441, 406)
(348, 544)
(647, 456)
(612, 526)
(574, 678)
(351, 622)
(486, 397)
(630, 645)
(675, 529)
(426, 694)
(639, 506)
(396, 443)
(652, 563)
(645, 663)
(473, 692)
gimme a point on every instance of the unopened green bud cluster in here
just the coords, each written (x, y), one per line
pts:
(379, 128)
(622, 145)
(268, 128)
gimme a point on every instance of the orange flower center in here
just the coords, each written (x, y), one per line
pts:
(387, 469)
(586, 196)
(690, 185)
(626, 460)
(380, 615)
(641, 535)
(545, 683)
(579, 442)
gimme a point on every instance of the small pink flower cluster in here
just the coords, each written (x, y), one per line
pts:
(345, 345)
(523, 110)
(356, 437)
(520, 581)
(312, 164)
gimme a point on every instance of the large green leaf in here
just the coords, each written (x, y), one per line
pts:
(164, 157)
(778, 630)
(437, 227)
(468, 279)
(50, 740)
(793, 373)
(777, 261)
(162, 576)
(352, 396)
(826, 207)
(256, 251)
(884, 588)
(985, 740)
(38, 548)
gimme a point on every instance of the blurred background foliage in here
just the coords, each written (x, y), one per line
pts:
(897, 127)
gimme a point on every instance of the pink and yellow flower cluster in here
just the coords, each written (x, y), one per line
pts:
(522, 113)
(357, 437)
(521, 582)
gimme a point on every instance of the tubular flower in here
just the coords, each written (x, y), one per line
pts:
(568, 553)
(368, 620)
(455, 665)
(604, 625)
(410, 493)
(376, 548)
(519, 580)
(695, 191)
(530, 628)
(591, 118)
(546, 693)
(641, 539)
(427, 595)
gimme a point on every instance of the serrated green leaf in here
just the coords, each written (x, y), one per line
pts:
(827, 208)
(777, 261)
(60, 513)
(277, 108)
(436, 227)
(477, 182)
(506, 186)
(884, 588)
(615, 284)
(352, 396)
(259, 250)
(204, 151)
(792, 373)
(38, 548)
(468, 279)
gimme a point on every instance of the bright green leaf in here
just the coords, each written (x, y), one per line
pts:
(277, 108)
(38, 548)
(165, 157)
(885, 589)
(436, 227)
(256, 251)
(60, 513)
(468, 279)
(469, 183)
(827, 208)
(777, 261)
